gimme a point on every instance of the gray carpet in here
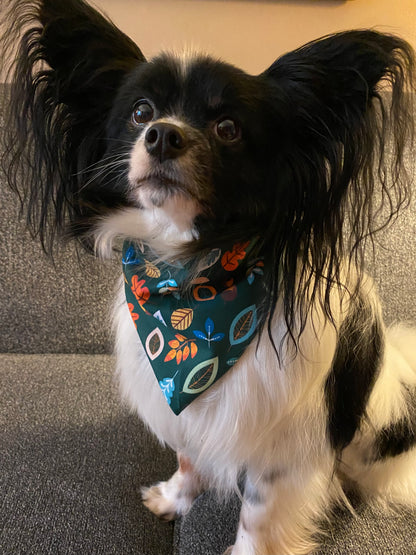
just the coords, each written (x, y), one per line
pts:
(50, 307)
(72, 462)
(210, 528)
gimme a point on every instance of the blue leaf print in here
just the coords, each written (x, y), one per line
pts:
(167, 283)
(168, 387)
(130, 257)
(158, 316)
(209, 326)
(250, 278)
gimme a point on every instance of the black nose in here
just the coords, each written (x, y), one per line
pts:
(165, 141)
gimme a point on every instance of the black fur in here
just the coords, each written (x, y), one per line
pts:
(303, 177)
(354, 371)
(399, 436)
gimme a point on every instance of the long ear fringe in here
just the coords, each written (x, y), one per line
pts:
(64, 62)
(347, 181)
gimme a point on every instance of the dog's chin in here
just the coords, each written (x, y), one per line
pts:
(155, 191)
(168, 205)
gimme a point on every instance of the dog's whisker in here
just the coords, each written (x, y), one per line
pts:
(104, 170)
(103, 162)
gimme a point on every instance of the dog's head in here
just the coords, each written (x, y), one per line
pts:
(197, 137)
(193, 151)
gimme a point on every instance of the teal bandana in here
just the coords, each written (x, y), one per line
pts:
(193, 338)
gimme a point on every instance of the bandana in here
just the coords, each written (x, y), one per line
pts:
(193, 338)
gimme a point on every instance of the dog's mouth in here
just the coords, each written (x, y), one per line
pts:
(159, 180)
(155, 188)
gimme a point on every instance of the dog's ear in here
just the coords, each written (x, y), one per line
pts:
(65, 74)
(342, 112)
(331, 83)
(87, 54)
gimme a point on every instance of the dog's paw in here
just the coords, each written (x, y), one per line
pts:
(165, 501)
(154, 499)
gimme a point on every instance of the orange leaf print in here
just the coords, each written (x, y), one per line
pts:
(141, 293)
(182, 347)
(170, 356)
(231, 259)
(194, 349)
(174, 343)
(186, 352)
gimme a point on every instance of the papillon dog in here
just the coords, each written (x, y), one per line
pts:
(248, 337)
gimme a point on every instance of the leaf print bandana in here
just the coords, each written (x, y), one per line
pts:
(193, 338)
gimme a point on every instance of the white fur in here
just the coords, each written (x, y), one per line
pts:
(159, 226)
(258, 416)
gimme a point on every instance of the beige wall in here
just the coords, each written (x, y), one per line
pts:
(250, 33)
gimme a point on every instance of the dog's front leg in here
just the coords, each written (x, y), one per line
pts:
(281, 511)
(174, 498)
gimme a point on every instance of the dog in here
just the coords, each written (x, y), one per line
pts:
(249, 338)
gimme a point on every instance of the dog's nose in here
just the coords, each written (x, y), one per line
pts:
(165, 141)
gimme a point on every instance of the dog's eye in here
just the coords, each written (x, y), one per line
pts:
(228, 130)
(143, 113)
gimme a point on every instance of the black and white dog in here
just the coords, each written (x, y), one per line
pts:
(220, 182)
